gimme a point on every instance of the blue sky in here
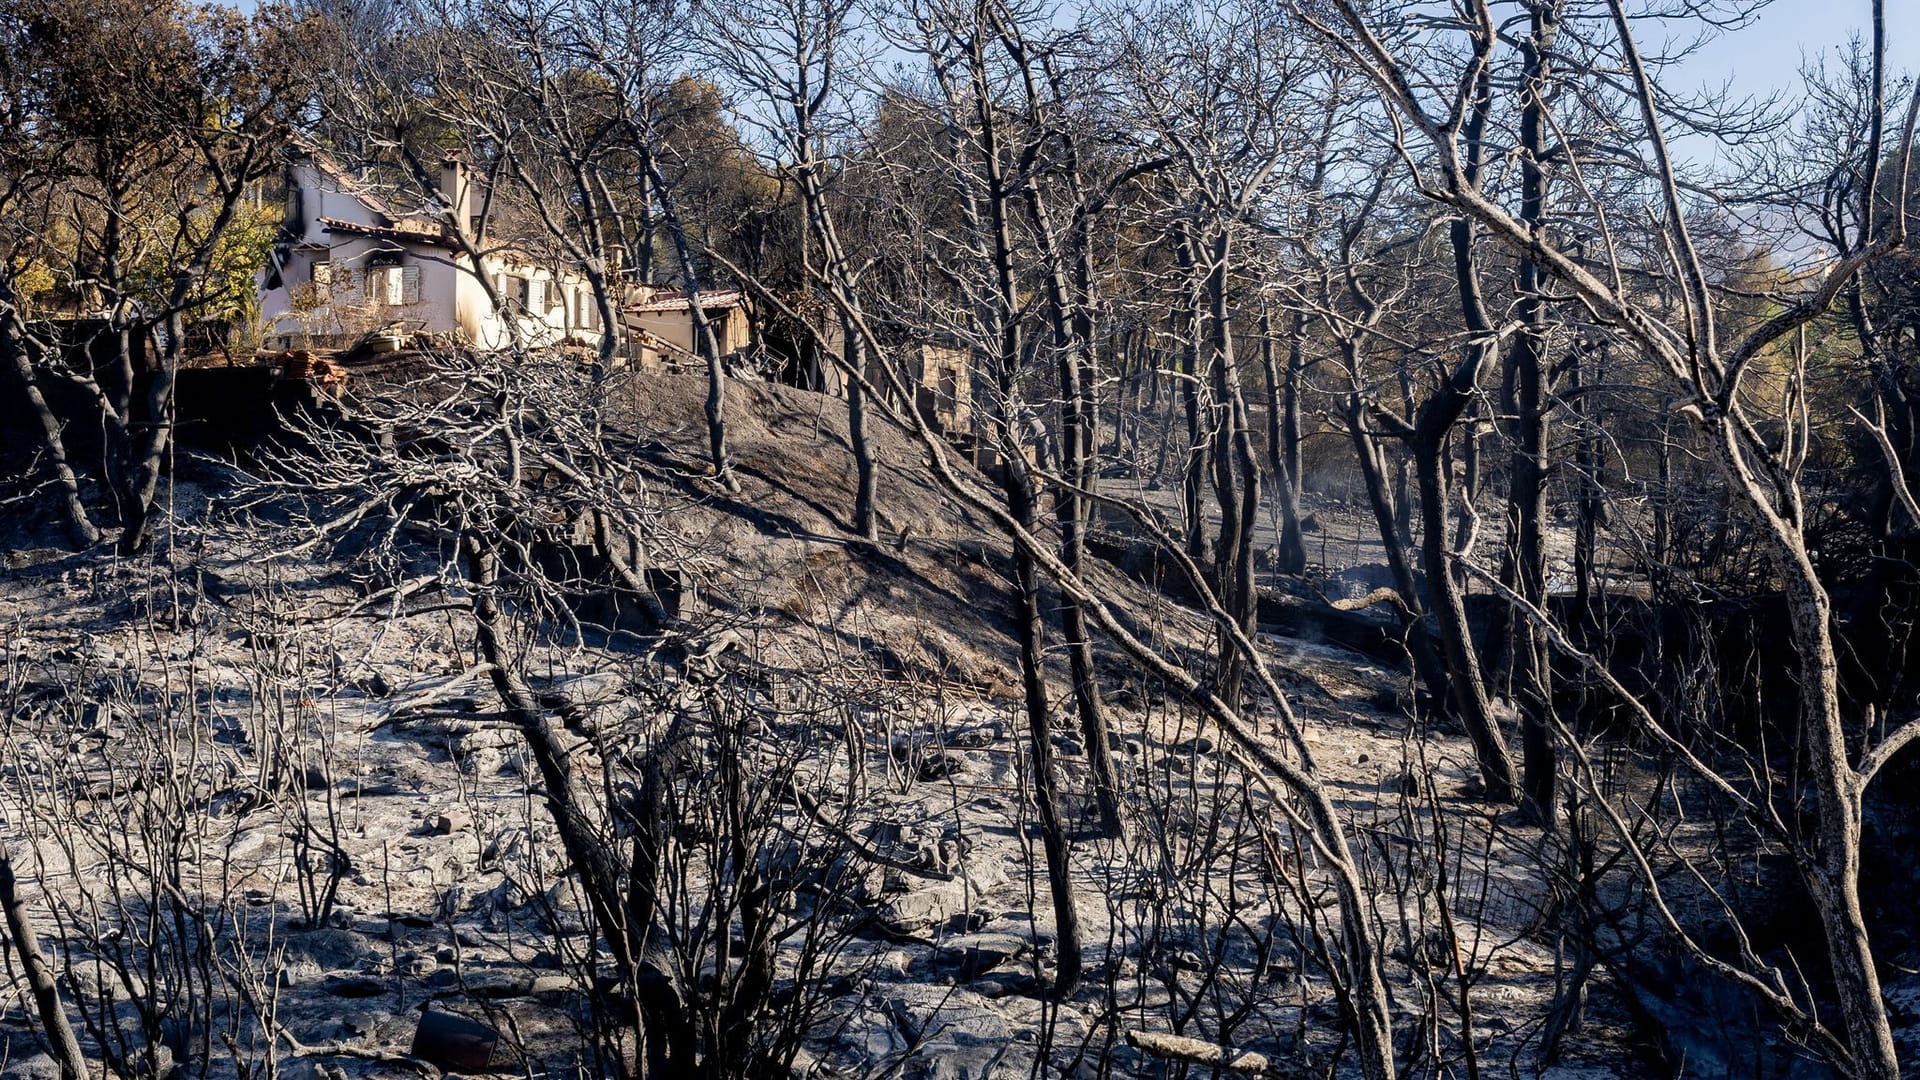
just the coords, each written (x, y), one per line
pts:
(1765, 57)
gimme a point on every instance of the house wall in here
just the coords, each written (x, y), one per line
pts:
(676, 328)
(546, 324)
(943, 387)
(352, 308)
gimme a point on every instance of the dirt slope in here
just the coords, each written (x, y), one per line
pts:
(932, 598)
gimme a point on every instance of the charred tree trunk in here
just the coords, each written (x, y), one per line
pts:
(1046, 791)
(1236, 473)
(1591, 463)
(1833, 875)
(1433, 427)
(156, 425)
(1283, 438)
(1291, 434)
(40, 979)
(1001, 314)
(1072, 330)
(657, 1011)
(709, 347)
(1194, 463)
(1382, 500)
(13, 350)
(1527, 496)
(866, 521)
(1431, 464)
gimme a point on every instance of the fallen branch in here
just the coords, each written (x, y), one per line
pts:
(1198, 1052)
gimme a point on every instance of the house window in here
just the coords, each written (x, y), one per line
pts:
(396, 286)
(322, 282)
(519, 291)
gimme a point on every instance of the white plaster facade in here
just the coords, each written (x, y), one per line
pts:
(347, 263)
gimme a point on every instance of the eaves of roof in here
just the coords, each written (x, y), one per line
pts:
(402, 232)
(716, 300)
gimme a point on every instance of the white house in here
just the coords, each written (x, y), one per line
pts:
(348, 263)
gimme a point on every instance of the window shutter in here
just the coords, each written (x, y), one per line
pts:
(536, 295)
(409, 284)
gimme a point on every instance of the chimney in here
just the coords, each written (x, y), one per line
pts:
(456, 186)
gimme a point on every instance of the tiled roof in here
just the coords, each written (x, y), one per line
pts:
(407, 230)
(676, 300)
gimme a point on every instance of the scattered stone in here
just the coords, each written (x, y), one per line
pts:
(1180, 1048)
(559, 912)
(459, 821)
(974, 738)
(1199, 744)
(932, 903)
(418, 965)
(332, 949)
(457, 1044)
(1182, 960)
(970, 957)
(890, 964)
(939, 766)
(926, 1014)
(965, 923)
(38, 1067)
(1357, 582)
(584, 691)
(356, 986)
(480, 761)
(296, 971)
(506, 983)
(957, 1034)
